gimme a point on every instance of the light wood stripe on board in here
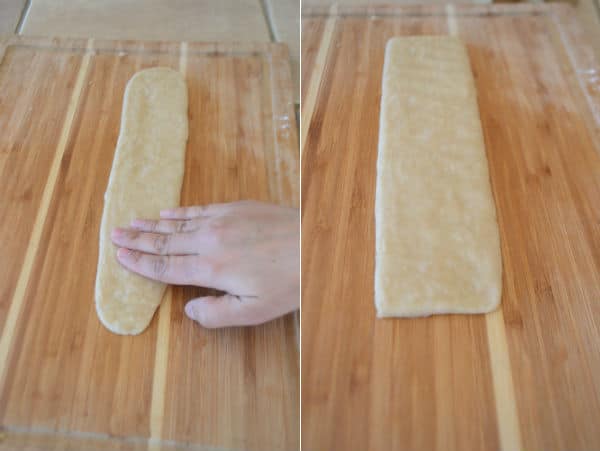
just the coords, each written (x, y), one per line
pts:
(161, 359)
(16, 302)
(504, 392)
(308, 105)
(159, 380)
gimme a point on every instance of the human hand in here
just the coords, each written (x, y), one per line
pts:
(250, 250)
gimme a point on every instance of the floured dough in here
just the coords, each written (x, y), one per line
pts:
(146, 177)
(437, 240)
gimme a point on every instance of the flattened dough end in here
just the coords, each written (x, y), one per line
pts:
(146, 177)
(437, 239)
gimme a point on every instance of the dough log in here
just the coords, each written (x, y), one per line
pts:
(146, 177)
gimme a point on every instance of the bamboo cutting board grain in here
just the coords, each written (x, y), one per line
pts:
(526, 377)
(65, 381)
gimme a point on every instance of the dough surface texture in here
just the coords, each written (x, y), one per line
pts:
(146, 177)
(437, 238)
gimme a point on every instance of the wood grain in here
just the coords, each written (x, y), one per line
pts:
(284, 16)
(315, 58)
(211, 21)
(67, 377)
(310, 48)
(22, 154)
(446, 382)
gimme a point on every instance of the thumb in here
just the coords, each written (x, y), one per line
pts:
(216, 311)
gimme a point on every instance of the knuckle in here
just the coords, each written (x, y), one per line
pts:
(151, 225)
(133, 235)
(135, 255)
(160, 266)
(161, 244)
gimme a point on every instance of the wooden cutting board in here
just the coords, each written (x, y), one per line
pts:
(525, 377)
(66, 381)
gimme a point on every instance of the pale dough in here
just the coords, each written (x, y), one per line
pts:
(146, 177)
(437, 240)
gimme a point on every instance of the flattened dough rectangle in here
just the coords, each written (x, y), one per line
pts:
(437, 239)
(146, 177)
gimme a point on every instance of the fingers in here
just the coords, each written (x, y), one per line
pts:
(218, 311)
(154, 243)
(178, 270)
(193, 212)
(211, 209)
(165, 225)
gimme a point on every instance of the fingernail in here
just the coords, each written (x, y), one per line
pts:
(137, 223)
(189, 311)
(116, 232)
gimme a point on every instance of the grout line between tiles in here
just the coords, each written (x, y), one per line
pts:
(23, 18)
